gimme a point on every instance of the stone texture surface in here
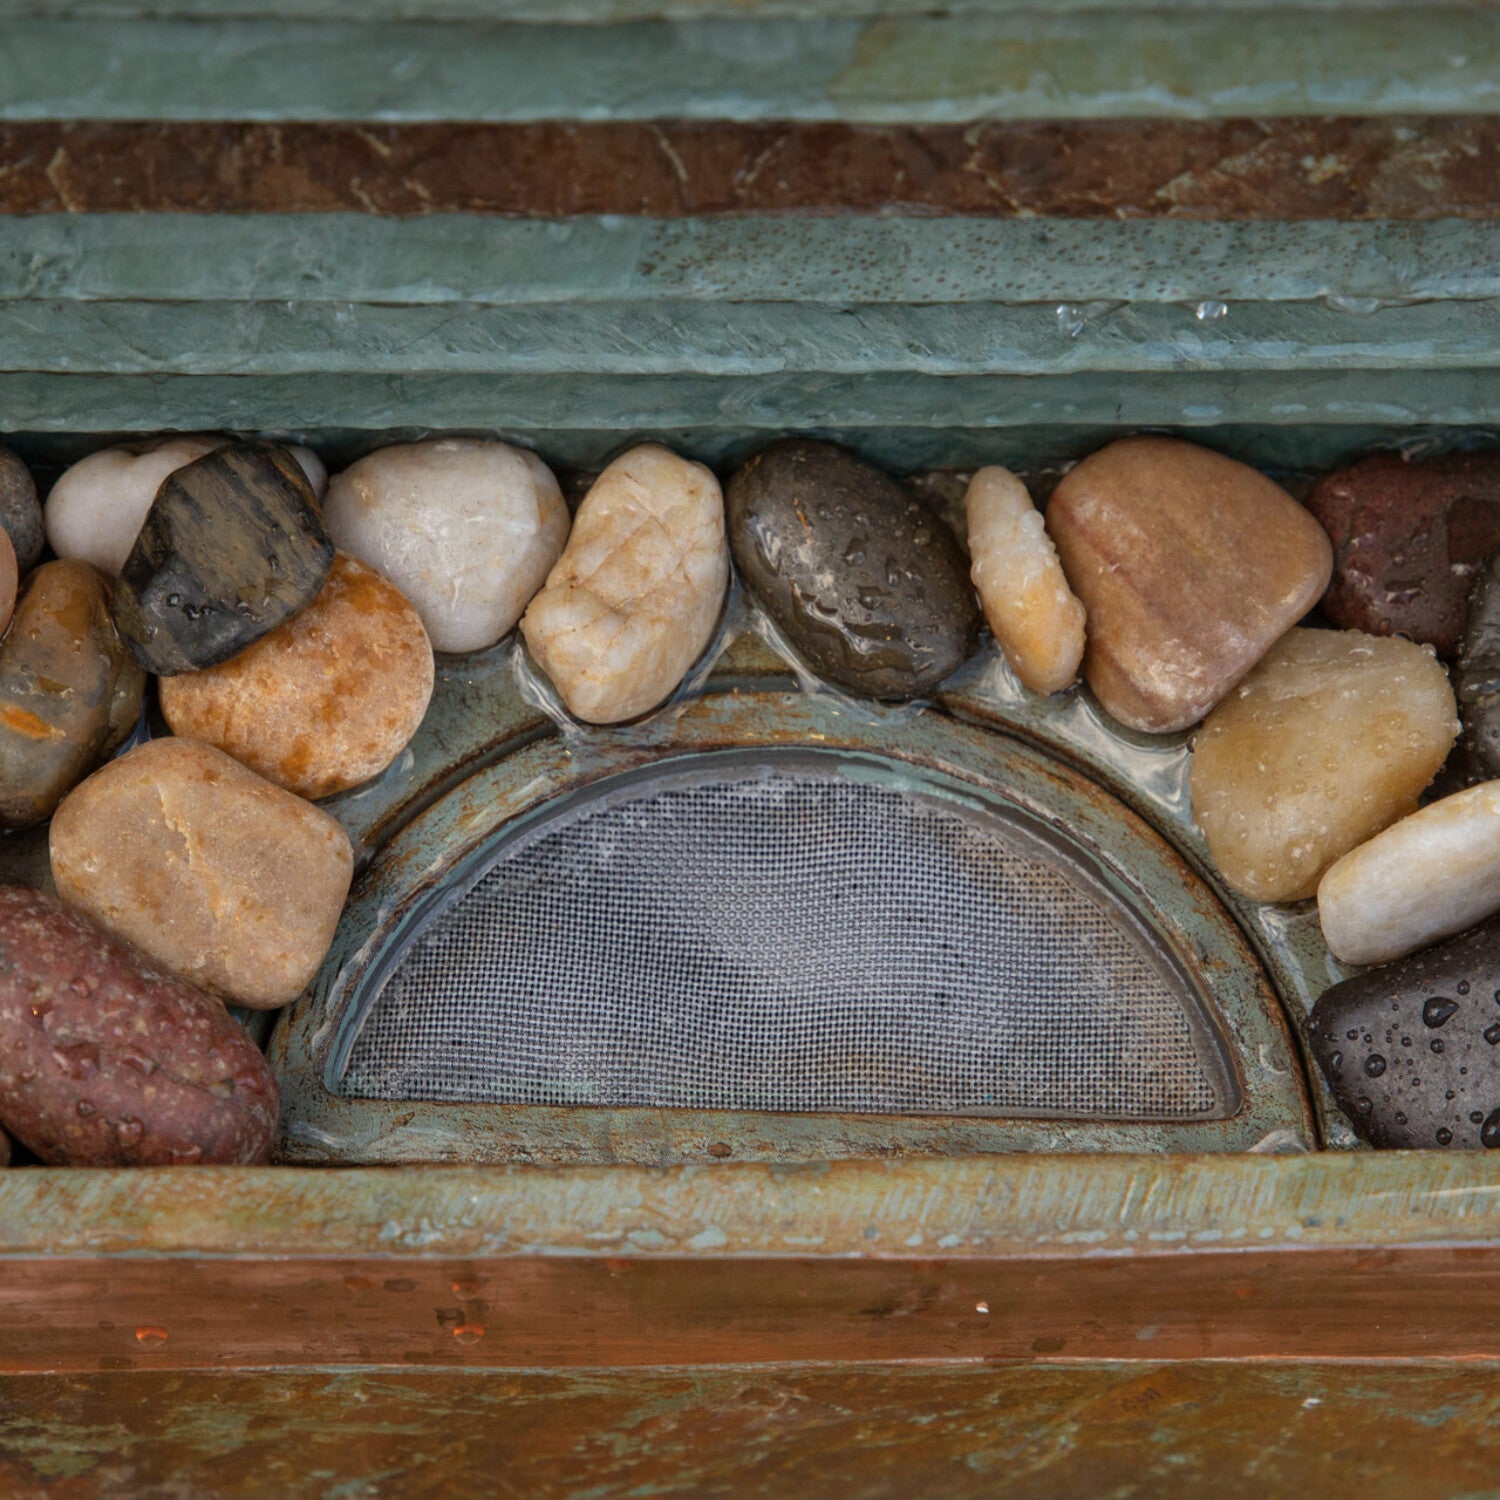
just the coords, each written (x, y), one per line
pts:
(1408, 536)
(1476, 677)
(1309, 167)
(637, 593)
(325, 701)
(20, 511)
(231, 547)
(105, 1062)
(69, 692)
(221, 878)
(1426, 877)
(9, 580)
(866, 583)
(1189, 564)
(96, 508)
(1035, 617)
(1330, 739)
(1412, 1049)
(466, 529)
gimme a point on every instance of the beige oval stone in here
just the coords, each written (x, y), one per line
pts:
(1427, 877)
(1190, 566)
(1330, 739)
(325, 701)
(1035, 617)
(635, 597)
(224, 880)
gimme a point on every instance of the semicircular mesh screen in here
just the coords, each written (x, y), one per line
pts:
(763, 940)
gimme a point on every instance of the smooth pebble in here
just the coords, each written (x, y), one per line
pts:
(20, 511)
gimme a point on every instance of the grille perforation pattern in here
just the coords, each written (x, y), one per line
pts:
(759, 940)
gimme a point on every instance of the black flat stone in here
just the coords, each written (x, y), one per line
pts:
(1477, 678)
(867, 584)
(20, 511)
(1411, 1050)
(232, 547)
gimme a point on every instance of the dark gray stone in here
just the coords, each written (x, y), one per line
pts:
(1477, 680)
(232, 547)
(867, 584)
(20, 511)
(1411, 1050)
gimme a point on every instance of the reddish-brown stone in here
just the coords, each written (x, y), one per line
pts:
(1409, 537)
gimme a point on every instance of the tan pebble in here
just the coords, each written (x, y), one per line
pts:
(224, 880)
(1035, 617)
(1190, 566)
(1330, 739)
(635, 597)
(1427, 877)
(325, 701)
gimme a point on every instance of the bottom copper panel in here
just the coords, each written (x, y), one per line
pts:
(861, 1432)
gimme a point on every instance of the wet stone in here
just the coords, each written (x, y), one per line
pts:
(20, 511)
(1408, 537)
(1477, 675)
(69, 692)
(1411, 1050)
(325, 701)
(1330, 739)
(224, 880)
(868, 586)
(637, 593)
(1189, 565)
(1426, 877)
(9, 581)
(231, 548)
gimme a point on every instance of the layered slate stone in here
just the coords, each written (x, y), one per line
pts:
(20, 511)
(637, 593)
(1330, 739)
(224, 880)
(1409, 535)
(1189, 565)
(69, 692)
(1412, 1050)
(868, 586)
(232, 547)
(323, 702)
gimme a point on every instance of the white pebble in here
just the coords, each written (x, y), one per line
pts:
(1427, 877)
(97, 506)
(1035, 617)
(634, 600)
(466, 528)
(313, 467)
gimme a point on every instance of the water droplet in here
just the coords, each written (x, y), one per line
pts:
(129, 1131)
(1438, 1010)
(148, 1334)
(1336, 1062)
(174, 601)
(1436, 1044)
(1476, 1115)
(1445, 1137)
(981, 1307)
(86, 1111)
(1462, 986)
(1209, 311)
(468, 1333)
(1489, 1132)
(1374, 1065)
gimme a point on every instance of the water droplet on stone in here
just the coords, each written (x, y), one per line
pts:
(1445, 1137)
(1374, 1065)
(1489, 1132)
(148, 1334)
(1438, 1009)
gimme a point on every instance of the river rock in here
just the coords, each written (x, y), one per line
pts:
(863, 580)
(231, 547)
(1411, 1050)
(1035, 617)
(1477, 674)
(226, 881)
(9, 581)
(1330, 739)
(1427, 877)
(96, 508)
(1409, 534)
(1190, 566)
(105, 1062)
(637, 593)
(466, 529)
(325, 701)
(20, 511)
(69, 692)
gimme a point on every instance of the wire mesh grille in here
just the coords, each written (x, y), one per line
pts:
(770, 941)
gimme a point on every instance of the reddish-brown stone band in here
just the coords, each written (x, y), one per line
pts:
(1213, 169)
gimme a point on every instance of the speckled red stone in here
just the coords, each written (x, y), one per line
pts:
(1409, 536)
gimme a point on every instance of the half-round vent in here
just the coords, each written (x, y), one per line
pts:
(789, 933)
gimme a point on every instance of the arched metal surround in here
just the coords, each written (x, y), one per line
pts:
(531, 765)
